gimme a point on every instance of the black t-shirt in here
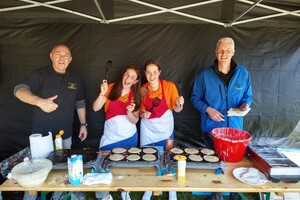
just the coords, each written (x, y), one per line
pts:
(46, 82)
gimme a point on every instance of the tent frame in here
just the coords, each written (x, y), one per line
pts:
(53, 4)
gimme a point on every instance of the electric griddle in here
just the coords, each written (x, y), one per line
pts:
(274, 164)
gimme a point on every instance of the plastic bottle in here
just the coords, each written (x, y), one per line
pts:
(58, 140)
(181, 168)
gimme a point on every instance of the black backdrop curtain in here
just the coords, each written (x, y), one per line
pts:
(271, 54)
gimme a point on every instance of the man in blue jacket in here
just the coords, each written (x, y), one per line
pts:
(218, 88)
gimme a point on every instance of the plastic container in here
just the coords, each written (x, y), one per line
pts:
(58, 140)
(230, 144)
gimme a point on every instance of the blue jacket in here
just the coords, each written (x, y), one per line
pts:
(210, 90)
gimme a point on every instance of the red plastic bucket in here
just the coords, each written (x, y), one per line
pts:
(230, 144)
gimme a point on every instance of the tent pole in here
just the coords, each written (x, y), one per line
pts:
(64, 10)
(180, 13)
(100, 11)
(259, 18)
(257, 2)
(31, 6)
(272, 8)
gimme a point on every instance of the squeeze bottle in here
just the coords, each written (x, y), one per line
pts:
(181, 165)
(58, 140)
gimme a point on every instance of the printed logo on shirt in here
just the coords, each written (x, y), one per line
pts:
(72, 86)
(238, 87)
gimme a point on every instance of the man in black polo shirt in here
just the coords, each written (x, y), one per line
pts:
(56, 92)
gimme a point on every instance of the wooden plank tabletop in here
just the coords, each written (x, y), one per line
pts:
(146, 179)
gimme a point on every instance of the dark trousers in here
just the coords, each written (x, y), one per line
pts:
(208, 140)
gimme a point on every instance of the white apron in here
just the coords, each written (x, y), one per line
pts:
(157, 129)
(117, 129)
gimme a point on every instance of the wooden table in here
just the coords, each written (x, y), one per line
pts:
(146, 179)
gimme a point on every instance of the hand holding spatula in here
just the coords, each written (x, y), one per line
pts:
(180, 93)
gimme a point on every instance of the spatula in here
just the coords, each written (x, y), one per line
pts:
(155, 102)
(180, 90)
(107, 68)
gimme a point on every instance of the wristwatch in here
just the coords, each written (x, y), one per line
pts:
(83, 124)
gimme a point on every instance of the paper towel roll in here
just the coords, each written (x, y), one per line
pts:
(40, 147)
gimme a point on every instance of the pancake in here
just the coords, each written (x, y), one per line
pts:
(207, 151)
(149, 157)
(195, 158)
(191, 151)
(133, 157)
(118, 150)
(177, 151)
(149, 150)
(238, 111)
(134, 150)
(179, 156)
(116, 157)
(211, 158)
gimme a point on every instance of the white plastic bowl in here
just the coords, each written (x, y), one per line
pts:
(31, 174)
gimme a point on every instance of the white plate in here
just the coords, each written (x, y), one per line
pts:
(235, 112)
(237, 173)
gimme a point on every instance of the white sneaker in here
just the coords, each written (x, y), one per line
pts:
(147, 195)
(172, 195)
(125, 196)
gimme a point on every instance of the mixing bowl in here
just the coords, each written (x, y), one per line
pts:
(230, 143)
(33, 173)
